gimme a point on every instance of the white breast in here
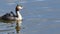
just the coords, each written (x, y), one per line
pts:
(19, 16)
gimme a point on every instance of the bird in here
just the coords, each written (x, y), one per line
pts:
(12, 16)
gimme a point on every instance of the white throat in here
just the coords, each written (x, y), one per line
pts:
(19, 16)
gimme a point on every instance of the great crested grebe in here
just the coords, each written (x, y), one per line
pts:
(12, 16)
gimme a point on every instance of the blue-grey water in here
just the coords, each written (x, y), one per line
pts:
(39, 16)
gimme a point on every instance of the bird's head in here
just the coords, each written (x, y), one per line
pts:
(18, 7)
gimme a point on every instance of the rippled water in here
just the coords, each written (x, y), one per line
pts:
(39, 17)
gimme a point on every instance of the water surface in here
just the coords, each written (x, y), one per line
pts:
(39, 16)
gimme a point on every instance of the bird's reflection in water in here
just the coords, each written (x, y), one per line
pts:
(16, 28)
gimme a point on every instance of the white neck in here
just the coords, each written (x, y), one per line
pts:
(19, 16)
